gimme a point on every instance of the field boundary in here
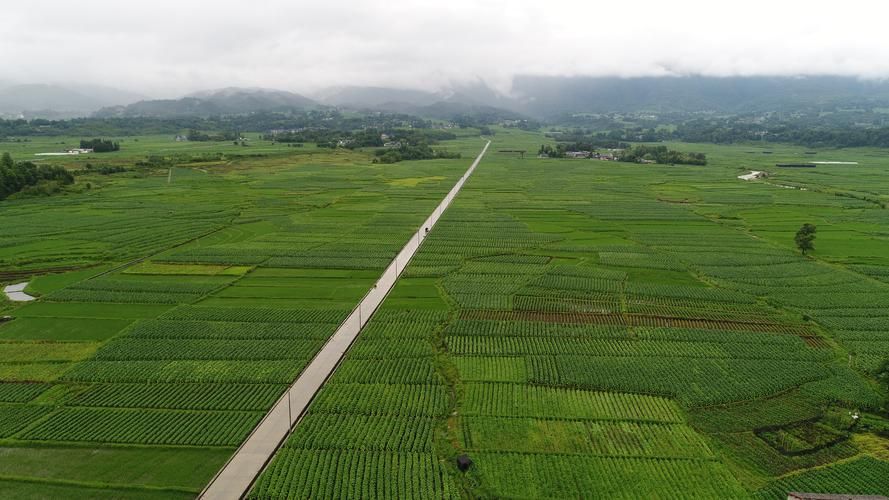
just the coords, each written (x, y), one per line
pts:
(237, 476)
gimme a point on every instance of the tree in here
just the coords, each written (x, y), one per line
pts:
(805, 238)
(100, 145)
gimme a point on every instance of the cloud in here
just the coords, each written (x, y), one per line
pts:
(165, 47)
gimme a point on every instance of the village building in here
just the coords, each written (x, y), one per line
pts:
(578, 154)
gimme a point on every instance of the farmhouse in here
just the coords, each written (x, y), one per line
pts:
(79, 151)
(578, 154)
(755, 174)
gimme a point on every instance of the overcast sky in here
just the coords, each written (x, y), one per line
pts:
(165, 48)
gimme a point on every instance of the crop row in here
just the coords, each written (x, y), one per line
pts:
(562, 282)
(127, 348)
(14, 418)
(790, 269)
(468, 327)
(640, 260)
(501, 268)
(733, 259)
(367, 432)
(370, 348)
(748, 415)
(387, 371)
(597, 304)
(242, 260)
(144, 426)
(482, 301)
(516, 259)
(484, 284)
(228, 330)
(332, 474)
(76, 295)
(720, 311)
(393, 317)
(427, 271)
(587, 272)
(382, 399)
(838, 299)
(377, 330)
(716, 335)
(181, 396)
(707, 294)
(601, 438)
(865, 476)
(20, 393)
(191, 286)
(537, 475)
(520, 400)
(512, 346)
(178, 371)
(694, 381)
(329, 262)
(258, 315)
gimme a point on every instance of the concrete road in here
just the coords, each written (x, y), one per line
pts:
(236, 477)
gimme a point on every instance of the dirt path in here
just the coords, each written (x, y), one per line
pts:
(238, 474)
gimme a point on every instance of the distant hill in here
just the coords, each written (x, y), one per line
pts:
(541, 97)
(54, 101)
(453, 102)
(374, 97)
(552, 96)
(228, 101)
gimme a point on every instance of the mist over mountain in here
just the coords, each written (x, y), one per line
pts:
(54, 101)
(540, 97)
(548, 97)
(449, 103)
(227, 101)
(374, 97)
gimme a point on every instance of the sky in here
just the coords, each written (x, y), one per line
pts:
(164, 48)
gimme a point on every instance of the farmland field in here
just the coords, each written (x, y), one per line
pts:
(579, 327)
(175, 308)
(575, 327)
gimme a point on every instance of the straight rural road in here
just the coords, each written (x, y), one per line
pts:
(236, 477)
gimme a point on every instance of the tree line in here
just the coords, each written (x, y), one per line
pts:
(662, 155)
(198, 136)
(26, 176)
(361, 138)
(810, 128)
(100, 145)
(412, 152)
(257, 122)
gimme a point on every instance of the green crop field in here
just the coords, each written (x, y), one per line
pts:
(173, 310)
(577, 328)
(587, 328)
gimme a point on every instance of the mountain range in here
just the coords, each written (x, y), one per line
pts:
(539, 97)
(227, 101)
(56, 101)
